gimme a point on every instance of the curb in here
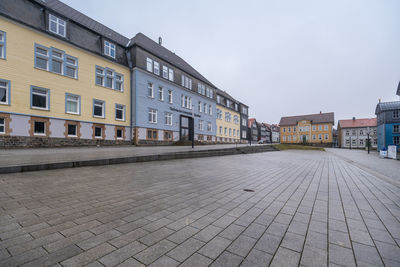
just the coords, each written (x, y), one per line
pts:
(134, 159)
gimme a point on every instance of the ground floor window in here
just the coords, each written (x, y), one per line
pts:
(361, 142)
(39, 128)
(119, 133)
(326, 136)
(2, 126)
(72, 130)
(98, 132)
(168, 135)
(396, 140)
(209, 138)
(244, 134)
(200, 137)
(152, 134)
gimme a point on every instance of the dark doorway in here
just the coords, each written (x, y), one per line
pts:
(186, 128)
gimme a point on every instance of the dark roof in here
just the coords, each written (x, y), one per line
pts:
(314, 118)
(153, 47)
(385, 106)
(84, 20)
(226, 95)
(398, 90)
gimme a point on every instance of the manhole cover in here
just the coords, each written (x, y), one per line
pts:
(248, 190)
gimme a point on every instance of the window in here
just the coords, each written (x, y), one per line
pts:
(119, 112)
(2, 44)
(347, 142)
(150, 91)
(218, 99)
(170, 99)
(326, 127)
(165, 72)
(55, 60)
(294, 137)
(72, 104)
(152, 134)
(109, 78)
(314, 128)
(227, 116)
(326, 136)
(40, 98)
(236, 107)
(353, 132)
(200, 107)
(98, 108)
(2, 126)
(205, 108)
(347, 132)
(284, 138)
(160, 93)
(219, 114)
(186, 102)
(244, 122)
(313, 137)
(200, 125)
(361, 132)
(244, 134)
(225, 131)
(289, 129)
(171, 75)
(209, 126)
(119, 134)
(57, 25)
(396, 128)
(230, 131)
(220, 130)
(152, 115)
(235, 119)
(186, 82)
(98, 132)
(109, 49)
(167, 135)
(39, 128)
(234, 132)
(228, 103)
(4, 92)
(168, 118)
(361, 142)
(289, 138)
(156, 68)
(284, 129)
(320, 137)
(149, 64)
(72, 130)
(294, 129)
(396, 140)
(210, 110)
(396, 114)
(320, 127)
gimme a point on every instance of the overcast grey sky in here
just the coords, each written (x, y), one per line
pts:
(281, 57)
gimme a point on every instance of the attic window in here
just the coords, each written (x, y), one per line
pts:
(109, 49)
(57, 25)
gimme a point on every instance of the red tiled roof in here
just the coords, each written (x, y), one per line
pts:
(314, 118)
(251, 121)
(357, 123)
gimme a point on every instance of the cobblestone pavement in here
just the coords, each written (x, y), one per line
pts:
(309, 208)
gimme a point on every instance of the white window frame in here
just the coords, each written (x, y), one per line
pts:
(150, 90)
(160, 93)
(171, 75)
(156, 68)
(7, 90)
(152, 115)
(78, 103)
(205, 108)
(170, 97)
(200, 106)
(47, 95)
(3, 44)
(101, 132)
(209, 126)
(109, 49)
(165, 72)
(149, 64)
(44, 128)
(59, 24)
(210, 110)
(122, 108)
(76, 130)
(201, 126)
(3, 125)
(168, 118)
(103, 107)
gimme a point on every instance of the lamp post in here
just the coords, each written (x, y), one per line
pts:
(368, 140)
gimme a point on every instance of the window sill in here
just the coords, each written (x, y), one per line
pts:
(72, 113)
(62, 75)
(5, 104)
(38, 134)
(99, 117)
(120, 119)
(43, 109)
(116, 90)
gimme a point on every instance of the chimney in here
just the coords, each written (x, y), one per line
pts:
(320, 112)
(160, 40)
(354, 118)
(379, 100)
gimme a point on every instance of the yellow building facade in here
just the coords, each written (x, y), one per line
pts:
(314, 129)
(63, 99)
(228, 125)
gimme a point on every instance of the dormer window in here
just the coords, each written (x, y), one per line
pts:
(109, 49)
(57, 25)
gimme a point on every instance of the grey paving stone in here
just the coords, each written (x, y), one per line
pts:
(285, 257)
(131, 262)
(255, 230)
(268, 243)
(227, 259)
(340, 255)
(337, 225)
(382, 236)
(258, 258)
(314, 257)
(183, 234)
(215, 247)
(208, 233)
(152, 253)
(366, 255)
(196, 260)
(277, 229)
(186, 249)
(317, 240)
(98, 239)
(164, 261)
(120, 255)
(129, 227)
(232, 231)
(65, 242)
(24, 257)
(242, 245)
(339, 238)
(361, 237)
(55, 257)
(89, 255)
(293, 241)
(23, 247)
(224, 221)
(156, 236)
(388, 251)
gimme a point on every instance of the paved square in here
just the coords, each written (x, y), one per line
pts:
(308, 208)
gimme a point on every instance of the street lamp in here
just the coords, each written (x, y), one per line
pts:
(368, 140)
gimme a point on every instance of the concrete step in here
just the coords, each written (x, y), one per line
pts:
(133, 159)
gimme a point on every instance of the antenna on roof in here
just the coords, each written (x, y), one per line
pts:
(160, 40)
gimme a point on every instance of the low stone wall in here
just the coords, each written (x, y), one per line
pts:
(26, 141)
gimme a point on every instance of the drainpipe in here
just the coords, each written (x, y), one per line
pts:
(130, 64)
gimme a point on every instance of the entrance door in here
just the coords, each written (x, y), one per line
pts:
(186, 129)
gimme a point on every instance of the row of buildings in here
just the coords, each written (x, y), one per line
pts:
(318, 129)
(66, 79)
